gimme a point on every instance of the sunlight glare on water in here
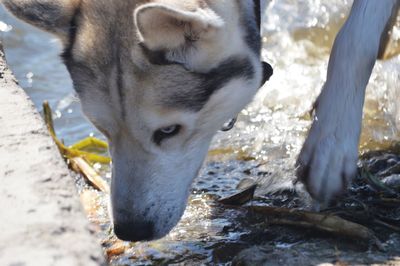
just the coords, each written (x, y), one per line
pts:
(298, 47)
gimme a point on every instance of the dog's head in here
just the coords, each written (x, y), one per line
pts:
(158, 78)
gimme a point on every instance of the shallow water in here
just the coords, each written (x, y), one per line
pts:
(262, 146)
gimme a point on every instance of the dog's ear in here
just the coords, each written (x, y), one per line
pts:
(54, 16)
(168, 26)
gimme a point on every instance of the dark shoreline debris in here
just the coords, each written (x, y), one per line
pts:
(240, 198)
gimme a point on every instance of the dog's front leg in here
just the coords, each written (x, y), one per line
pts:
(328, 159)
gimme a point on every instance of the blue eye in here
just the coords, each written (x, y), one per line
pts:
(166, 132)
(169, 130)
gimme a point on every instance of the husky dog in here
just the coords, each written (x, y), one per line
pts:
(160, 77)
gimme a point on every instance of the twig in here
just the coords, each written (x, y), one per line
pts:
(323, 222)
(78, 164)
(377, 184)
(77, 157)
(388, 202)
(389, 226)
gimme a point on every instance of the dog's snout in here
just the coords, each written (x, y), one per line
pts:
(134, 231)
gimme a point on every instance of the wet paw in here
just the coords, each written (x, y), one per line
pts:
(328, 161)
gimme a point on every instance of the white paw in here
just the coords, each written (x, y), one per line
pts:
(328, 160)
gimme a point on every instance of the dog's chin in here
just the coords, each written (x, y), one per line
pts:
(163, 232)
(164, 225)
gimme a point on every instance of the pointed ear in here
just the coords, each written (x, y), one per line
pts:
(54, 16)
(163, 26)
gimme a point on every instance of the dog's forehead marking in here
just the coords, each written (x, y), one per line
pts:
(193, 97)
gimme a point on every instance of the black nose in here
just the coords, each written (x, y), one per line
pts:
(134, 231)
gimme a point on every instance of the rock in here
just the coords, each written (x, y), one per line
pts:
(392, 181)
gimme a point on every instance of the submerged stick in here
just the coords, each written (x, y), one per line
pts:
(386, 225)
(78, 164)
(323, 222)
